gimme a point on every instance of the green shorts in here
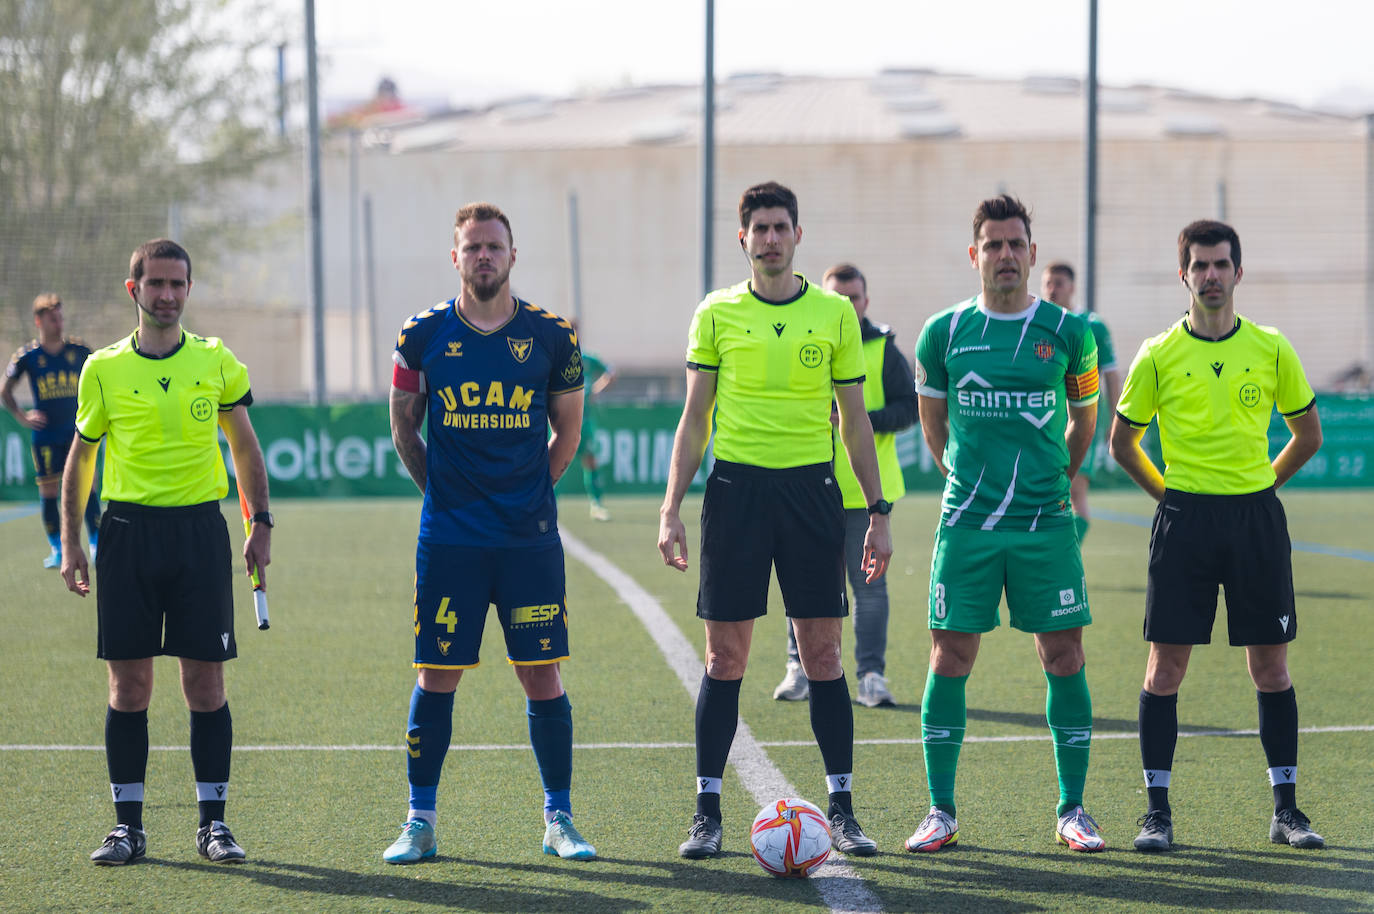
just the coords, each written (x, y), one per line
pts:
(587, 443)
(1042, 573)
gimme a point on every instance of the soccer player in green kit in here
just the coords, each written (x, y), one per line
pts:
(1008, 399)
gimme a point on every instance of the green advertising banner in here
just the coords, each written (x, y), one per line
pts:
(346, 451)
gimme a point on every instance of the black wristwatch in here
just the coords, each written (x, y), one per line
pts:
(881, 506)
(264, 517)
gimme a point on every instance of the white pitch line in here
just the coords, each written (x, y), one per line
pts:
(766, 744)
(841, 887)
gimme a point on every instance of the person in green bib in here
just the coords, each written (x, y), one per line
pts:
(1008, 397)
(766, 358)
(1213, 380)
(890, 398)
(1057, 285)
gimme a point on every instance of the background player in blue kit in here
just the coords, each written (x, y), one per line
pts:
(53, 364)
(493, 374)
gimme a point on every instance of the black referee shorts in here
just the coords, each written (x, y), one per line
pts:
(1239, 542)
(163, 583)
(755, 519)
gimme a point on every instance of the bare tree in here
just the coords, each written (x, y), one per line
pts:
(113, 114)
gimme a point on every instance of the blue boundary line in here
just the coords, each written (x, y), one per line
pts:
(9, 514)
(1339, 552)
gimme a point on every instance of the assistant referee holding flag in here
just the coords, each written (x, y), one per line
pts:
(769, 355)
(1214, 379)
(161, 396)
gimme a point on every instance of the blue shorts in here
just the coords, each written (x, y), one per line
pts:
(454, 586)
(49, 459)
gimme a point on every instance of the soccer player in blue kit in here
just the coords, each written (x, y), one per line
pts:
(53, 363)
(493, 375)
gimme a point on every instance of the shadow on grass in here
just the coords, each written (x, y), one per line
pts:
(1186, 878)
(1037, 720)
(1100, 724)
(604, 885)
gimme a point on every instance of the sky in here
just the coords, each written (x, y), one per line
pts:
(1309, 53)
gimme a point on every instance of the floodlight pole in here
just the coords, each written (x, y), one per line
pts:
(575, 257)
(1369, 243)
(1089, 291)
(312, 106)
(708, 153)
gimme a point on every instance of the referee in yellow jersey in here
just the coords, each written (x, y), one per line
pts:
(1213, 380)
(768, 356)
(160, 397)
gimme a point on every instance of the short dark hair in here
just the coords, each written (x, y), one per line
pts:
(1206, 232)
(1061, 267)
(995, 209)
(45, 302)
(481, 212)
(764, 196)
(845, 272)
(157, 249)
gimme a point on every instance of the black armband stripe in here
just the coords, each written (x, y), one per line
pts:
(1311, 405)
(1131, 422)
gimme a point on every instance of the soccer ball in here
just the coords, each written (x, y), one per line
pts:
(790, 838)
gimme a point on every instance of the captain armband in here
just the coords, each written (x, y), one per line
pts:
(407, 379)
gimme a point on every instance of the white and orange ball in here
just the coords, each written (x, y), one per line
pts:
(790, 838)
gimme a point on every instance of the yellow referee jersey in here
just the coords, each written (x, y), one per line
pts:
(777, 365)
(160, 416)
(1214, 399)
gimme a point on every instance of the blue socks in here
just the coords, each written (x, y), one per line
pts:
(430, 730)
(428, 733)
(551, 737)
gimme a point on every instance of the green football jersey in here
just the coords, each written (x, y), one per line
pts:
(1009, 380)
(1106, 352)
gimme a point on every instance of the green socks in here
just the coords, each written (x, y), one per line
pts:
(1069, 710)
(943, 719)
(1080, 526)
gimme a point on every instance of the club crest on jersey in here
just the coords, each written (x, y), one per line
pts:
(1044, 350)
(520, 348)
(443, 646)
(573, 370)
(455, 348)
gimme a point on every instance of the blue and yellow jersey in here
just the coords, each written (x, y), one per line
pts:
(487, 463)
(53, 381)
